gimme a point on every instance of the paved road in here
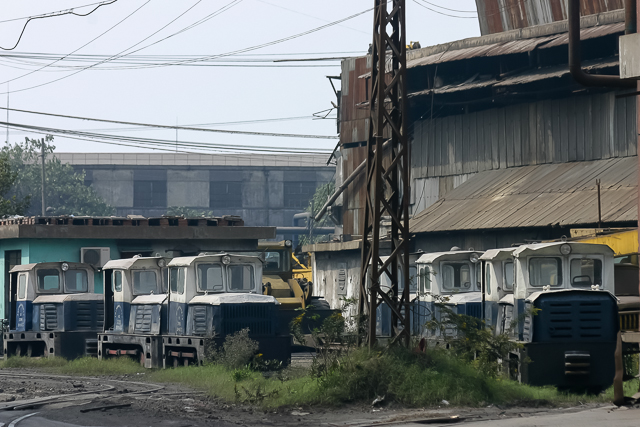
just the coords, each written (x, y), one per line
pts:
(601, 417)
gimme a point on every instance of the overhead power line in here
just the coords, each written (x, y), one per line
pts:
(154, 142)
(443, 13)
(55, 14)
(238, 132)
(446, 8)
(209, 57)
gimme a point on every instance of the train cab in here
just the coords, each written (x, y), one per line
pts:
(136, 309)
(54, 310)
(565, 314)
(450, 278)
(498, 287)
(213, 296)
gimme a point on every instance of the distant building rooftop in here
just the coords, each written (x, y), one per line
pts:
(173, 159)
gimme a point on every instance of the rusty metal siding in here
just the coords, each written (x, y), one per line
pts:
(588, 127)
(496, 16)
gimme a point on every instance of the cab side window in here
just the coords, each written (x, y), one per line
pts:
(22, 286)
(116, 281)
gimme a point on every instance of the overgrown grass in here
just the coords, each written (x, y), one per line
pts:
(411, 379)
(88, 366)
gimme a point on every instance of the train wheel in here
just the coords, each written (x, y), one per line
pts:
(29, 350)
(175, 362)
(142, 359)
(186, 361)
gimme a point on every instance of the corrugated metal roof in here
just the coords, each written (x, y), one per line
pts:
(515, 46)
(537, 196)
(517, 79)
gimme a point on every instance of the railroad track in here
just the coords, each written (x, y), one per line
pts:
(109, 394)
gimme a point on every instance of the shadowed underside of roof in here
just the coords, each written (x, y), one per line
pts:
(537, 196)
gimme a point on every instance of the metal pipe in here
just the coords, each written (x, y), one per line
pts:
(630, 20)
(344, 185)
(575, 66)
(305, 230)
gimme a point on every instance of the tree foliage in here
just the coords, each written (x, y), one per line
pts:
(65, 190)
(316, 203)
(10, 204)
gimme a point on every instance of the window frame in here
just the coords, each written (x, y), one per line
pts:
(86, 276)
(144, 270)
(504, 275)
(23, 294)
(456, 272)
(184, 279)
(560, 274)
(114, 288)
(49, 291)
(198, 281)
(586, 257)
(253, 278)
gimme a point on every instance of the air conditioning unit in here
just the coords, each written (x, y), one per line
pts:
(97, 257)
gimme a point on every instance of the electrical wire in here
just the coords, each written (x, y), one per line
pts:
(61, 13)
(239, 132)
(231, 53)
(84, 45)
(162, 142)
(446, 8)
(442, 13)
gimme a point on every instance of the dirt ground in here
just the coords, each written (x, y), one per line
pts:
(132, 401)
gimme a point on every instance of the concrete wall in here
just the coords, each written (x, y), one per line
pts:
(262, 187)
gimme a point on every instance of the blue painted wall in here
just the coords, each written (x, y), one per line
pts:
(50, 250)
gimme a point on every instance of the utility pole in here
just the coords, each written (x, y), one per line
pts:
(387, 179)
(44, 208)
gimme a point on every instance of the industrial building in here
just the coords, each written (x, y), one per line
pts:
(506, 147)
(263, 189)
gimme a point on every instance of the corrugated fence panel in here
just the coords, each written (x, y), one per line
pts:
(589, 127)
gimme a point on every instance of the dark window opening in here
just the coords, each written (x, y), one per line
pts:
(225, 195)
(150, 194)
(298, 194)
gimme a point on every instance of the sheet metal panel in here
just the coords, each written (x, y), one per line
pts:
(497, 16)
(537, 196)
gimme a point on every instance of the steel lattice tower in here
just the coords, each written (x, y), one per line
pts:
(387, 178)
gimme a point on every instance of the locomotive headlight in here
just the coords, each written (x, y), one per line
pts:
(226, 260)
(474, 257)
(162, 263)
(565, 249)
(64, 266)
(288, 243)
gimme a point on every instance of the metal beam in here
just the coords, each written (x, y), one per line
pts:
(387, 177)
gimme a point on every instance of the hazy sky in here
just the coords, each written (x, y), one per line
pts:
(194, 95)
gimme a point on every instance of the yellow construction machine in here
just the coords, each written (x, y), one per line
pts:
(288, 279)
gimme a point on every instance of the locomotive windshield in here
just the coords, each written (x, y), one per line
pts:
(276, 262)
(176, 279)
(508, 276)
(48, 280)
(545, 272)
(210, 278)
(144, 282)
(241, 278)
(76, 281)
(586, 272)
(456, 276)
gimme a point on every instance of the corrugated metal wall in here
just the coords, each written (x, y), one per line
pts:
(496, 16)
(550, 131)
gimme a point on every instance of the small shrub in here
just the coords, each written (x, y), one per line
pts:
(237, 351)
(238, 375)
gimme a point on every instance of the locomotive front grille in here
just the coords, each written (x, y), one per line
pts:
(83, 317)
(577, 363)
(143, 318)
(629, 321)
(576, 319)
(199, 320)
(258, 318)
(48, 317)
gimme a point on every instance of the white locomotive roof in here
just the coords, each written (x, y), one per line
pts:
(536, 295)
(576, 248)
(464, 297)
(189, 260)
(29, 267)
(452, 255)
(127, 262)
(497, 254)
(149, 299)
